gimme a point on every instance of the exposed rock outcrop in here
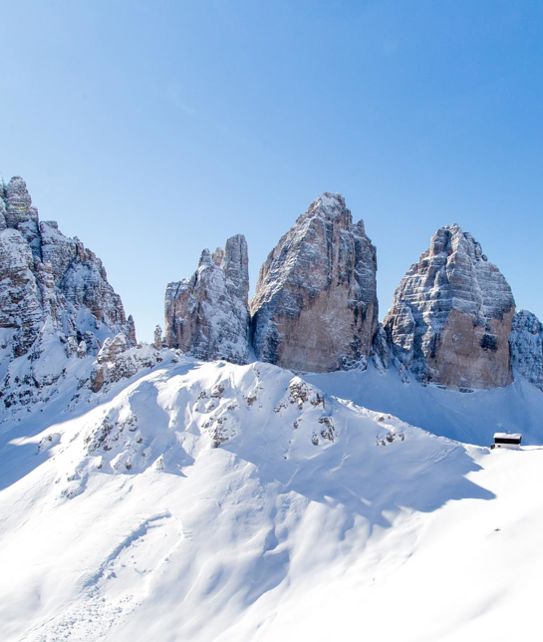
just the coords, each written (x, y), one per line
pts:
(54, 297)
(315, 307)
(526, 342)
(451, 316)
(118, 359)
(208, 316)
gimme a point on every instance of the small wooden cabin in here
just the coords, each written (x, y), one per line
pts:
(507, 440)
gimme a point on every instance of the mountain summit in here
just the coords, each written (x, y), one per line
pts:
(451, 316)
(315, 307)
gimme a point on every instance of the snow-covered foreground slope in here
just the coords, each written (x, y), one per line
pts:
(222, 502)
(471, 417)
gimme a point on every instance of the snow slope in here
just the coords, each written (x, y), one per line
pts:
(472, 417)
(222, 502)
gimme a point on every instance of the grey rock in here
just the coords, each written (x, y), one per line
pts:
(315, 307)
(526, 342)
(451, 316)
(207, 316)
(21, 311)
(118, 360)
(20, 214)
(54, 297)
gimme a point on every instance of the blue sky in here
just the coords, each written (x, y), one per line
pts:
(154, 129)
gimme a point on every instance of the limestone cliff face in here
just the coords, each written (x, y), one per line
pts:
(53, 292)
(526, 342)
(207, 316)
(315, 307)
(452, 314)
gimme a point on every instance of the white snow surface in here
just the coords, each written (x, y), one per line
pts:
(240, 503)
(472, 416)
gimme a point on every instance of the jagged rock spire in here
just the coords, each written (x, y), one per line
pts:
(315, 307)
(207, 316)
(51, 287)
(451, 315)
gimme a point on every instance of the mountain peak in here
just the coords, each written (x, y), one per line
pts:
(315, 306)
(451, 315)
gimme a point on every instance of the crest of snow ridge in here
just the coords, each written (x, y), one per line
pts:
(165, 419)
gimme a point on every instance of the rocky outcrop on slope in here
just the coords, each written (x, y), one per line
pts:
(54, 297)
(526, 342)
(315, 307)
(208, 316)
(118, 360)
(451, 316)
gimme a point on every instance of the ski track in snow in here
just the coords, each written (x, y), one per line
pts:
(93, 615)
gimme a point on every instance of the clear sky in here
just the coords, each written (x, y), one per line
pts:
(152, 129)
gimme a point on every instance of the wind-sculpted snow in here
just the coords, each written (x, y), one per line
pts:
(451, 316)
(207, 316)
(200, 501)
(315, 307)
(55, 301)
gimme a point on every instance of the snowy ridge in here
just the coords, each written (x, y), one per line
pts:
(213, 501)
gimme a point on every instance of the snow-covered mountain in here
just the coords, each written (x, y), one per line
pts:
(210, 501)
(56, 305)
(147, 495)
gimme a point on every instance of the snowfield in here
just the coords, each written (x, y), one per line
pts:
(241, 503)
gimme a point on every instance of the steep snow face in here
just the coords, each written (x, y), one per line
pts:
(526, 342)
(55, 300)
(208, 316)
(208, 501)
(451, 316)
(315, 307)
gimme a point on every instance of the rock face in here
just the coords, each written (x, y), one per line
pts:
(526, 342)
(54, 294)
(119, 359)
(208, 316)
(315, 307)
(452, 314)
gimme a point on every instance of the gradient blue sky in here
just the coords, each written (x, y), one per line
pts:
(154, 129)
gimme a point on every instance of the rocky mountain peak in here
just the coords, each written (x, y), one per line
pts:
(315, 306)
(53, 292)
(207, 315)
(328, 205)
(451, 315)
(18, 203)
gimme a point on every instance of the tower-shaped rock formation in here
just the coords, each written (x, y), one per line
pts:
(315, 307)
(207, 316)
(451, 316)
